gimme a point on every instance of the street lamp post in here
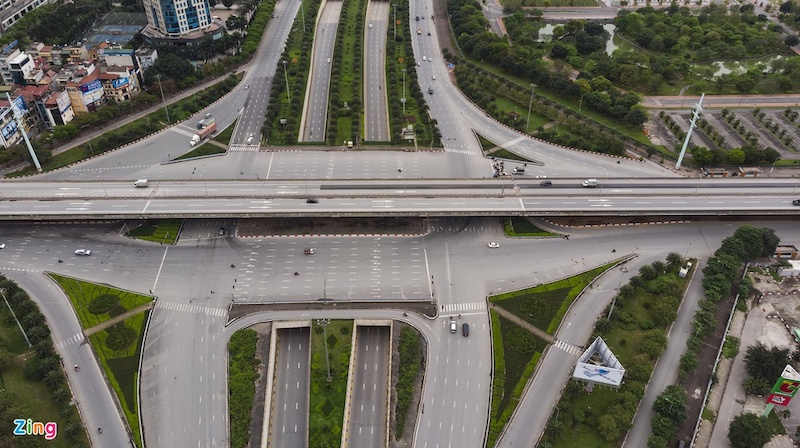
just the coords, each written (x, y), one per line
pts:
(162, 96)
(530, 104)
(324, 323)
(580, 104)
(303, 15)
(403, 99)
(394, 22)
(286, 77)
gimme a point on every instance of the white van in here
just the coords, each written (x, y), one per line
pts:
(141, 183)
(590, 183)
(424, 58)
(453, 326)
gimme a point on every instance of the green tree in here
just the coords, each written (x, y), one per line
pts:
(749, 431)
(672, 404)
(765, 363)
(674, 259)
(735, 156)
(66, 132)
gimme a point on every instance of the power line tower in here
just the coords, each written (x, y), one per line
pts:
(698, 109)
(21, 127)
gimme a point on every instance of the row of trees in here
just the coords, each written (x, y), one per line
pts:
(524, 57)
(40, 363)
(658, 281)
(669, 415)
(582, 132)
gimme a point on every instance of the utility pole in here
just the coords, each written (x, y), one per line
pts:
(303, 15)
(162, 96)
(286, 77)
(530, 104)
(403, 99)
(394, 22)
(691, 128)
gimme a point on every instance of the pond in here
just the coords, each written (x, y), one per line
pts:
(614, 43)
(719, 68)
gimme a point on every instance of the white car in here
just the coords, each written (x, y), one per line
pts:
(493, 245)
(2, 246)
(370, 26)
(329, 60)
(83, 252)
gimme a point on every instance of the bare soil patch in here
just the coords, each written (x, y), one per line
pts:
(331, 226)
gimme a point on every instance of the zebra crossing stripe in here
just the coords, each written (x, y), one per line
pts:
(191, 308)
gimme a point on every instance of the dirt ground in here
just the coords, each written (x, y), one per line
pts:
(330, 226)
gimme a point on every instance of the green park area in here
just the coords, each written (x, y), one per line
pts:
(347, 83)
(516, 348)
(522, 226)
(634, 327)
(32, 380)
(242, 376)
(118, 344)
(409, 351)
(162, 231)
(328, 393)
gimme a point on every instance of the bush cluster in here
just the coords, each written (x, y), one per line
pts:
(410, 360)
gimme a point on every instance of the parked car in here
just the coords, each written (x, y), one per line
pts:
(83, 252)
(493, 245)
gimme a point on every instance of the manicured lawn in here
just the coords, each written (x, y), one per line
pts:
(33, 399)
(348, 71)
(544, 306)
(516, 353)
(506, 105)
(491, 149)
(206, 149)
(327, 398)
(118, 346)
(224, 137)
(162, 231)
(242, 374)
(409, 353)
(519, 226)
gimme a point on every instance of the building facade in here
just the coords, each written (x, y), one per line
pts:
(175, 18)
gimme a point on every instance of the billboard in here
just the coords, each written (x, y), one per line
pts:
(599, 365)
(785, 388)
(9, 129)
(119, 82)
(91, 86)
(19, 104)
(63, 102)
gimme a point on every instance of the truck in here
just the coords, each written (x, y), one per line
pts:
(205, 132)
(141, 183)
(590, 183)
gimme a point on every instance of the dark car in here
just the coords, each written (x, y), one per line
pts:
(312, 201)
(465, 329)
(796, 202)
(546, 183)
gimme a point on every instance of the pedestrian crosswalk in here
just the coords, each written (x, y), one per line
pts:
(463, 307)
(74, 339)
(244, 148)
(569, 348)
(188, 308)
(461, 151)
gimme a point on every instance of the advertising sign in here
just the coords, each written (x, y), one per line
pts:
(785, 388)
(91, 86)
(63, 102)
(9, 129)
(19, 103)
(119, 82)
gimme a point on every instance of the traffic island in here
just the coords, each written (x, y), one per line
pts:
(265, 227)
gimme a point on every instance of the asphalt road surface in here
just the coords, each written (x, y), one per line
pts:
(292, 373)
(376, 112)
(370, 403)
(315, 110)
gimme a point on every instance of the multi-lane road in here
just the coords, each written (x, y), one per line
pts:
(289, 425)
(376, 112)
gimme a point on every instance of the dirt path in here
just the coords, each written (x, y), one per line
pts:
(522, 323)
(118, 319)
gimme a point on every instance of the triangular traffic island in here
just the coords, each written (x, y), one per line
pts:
(599, 365)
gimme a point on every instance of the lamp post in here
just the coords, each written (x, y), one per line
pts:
(286, 77)
(530, 104)
(162, 96)
(394, 22)
(403, 99)
(580, 104)
(324, 323)
(303, 15)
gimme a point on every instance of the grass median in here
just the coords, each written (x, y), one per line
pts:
(162, 231)
(117, 346)
(327, 398)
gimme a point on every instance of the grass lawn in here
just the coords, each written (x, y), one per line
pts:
(327, 398)
(516, 353)
(543, 306)
(349, 68)
(118, 346)
(33, 399)
(206, 149)
(520, 226)
(490, 149)
(163, 231)
(224, 137)
(506, 105)
(242, 374)
(634, 132)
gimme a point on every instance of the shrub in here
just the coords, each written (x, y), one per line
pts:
(103, 304)
(120, 337)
